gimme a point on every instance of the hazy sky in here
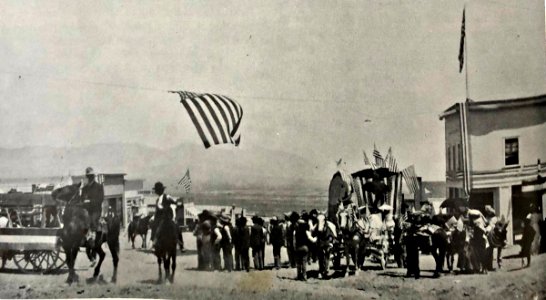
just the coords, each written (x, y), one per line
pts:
(307, 73)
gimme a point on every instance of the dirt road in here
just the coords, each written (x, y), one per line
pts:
(138, 273)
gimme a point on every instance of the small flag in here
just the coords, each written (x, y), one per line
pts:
(217, 118)
(379, 162)
(461, 47)
(411, 179)
(367, 161)
(186, 181)
(390, 161)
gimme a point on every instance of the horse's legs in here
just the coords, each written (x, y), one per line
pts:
(143, 237)
(499, 257)
(166, 265)
(114, 250)
(102, 254)
(160, 273)
(173, 264)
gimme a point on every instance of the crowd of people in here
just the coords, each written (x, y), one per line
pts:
(217, 239)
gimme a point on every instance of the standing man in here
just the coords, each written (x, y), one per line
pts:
(491, 219)
(276, 239)
(92, 194)
(256, 239)
(227, 241)
(302, 239)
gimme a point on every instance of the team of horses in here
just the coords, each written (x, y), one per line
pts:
(73, 235)
(349, 237)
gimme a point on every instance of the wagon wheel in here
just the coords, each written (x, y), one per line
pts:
(47, 261)
(23, 261)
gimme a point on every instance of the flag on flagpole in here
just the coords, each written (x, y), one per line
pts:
(186, 181)
(461, 46)
(217, 118)
(367, 162)
(379, 161)
(390, 161)
(411, 179)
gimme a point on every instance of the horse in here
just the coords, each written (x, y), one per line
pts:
(76, 222)
(326, 234)
(165, 248)
(139, 226)
(424, 234)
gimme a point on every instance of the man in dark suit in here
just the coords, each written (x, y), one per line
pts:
(163, 211)
(92, 194)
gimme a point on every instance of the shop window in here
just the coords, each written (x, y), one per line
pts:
(511, 152)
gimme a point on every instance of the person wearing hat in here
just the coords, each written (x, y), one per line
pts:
(242, 244)
(276, 240)
(227, 241)
(163, 211)
(256, 239)
(92, 194)
(491, 221)
(302, 240)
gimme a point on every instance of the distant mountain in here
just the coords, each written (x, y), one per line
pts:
(213, 169)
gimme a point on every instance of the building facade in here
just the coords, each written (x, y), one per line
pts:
(492, 147)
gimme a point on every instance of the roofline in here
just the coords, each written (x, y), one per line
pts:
(496, 104)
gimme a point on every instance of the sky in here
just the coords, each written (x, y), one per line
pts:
(307, 73)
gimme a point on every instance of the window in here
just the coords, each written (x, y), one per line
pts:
(455, 159)
(448, 158)
(460, 156)
(511, 151)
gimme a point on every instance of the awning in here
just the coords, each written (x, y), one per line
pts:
(454, 202)
(533, 185)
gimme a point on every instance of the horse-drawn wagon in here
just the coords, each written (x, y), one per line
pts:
(33, 248)
(359, 206)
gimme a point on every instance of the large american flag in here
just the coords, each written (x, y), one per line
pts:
(217, 118)
(186, 181)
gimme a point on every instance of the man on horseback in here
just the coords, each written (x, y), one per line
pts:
(92, 195)
(163, 212)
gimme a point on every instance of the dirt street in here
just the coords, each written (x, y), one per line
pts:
(138, 273)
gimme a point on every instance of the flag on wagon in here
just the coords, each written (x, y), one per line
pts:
(390, 162)
(217, 118)
(379, 161)
(186, 181)
(411, 179)
(367, 161)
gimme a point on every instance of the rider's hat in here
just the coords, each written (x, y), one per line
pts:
(159, 186)
(89, 171)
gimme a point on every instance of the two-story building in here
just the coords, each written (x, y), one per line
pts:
(492, 147)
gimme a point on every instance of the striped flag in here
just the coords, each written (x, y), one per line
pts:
(217, 118)
(461, 46)
(367, 162)
(411, 179)
(379, 161)
(390, 161)
(186, 181)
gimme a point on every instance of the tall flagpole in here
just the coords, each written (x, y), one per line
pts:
(465, 54)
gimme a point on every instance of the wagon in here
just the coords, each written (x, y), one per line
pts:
(32, 249)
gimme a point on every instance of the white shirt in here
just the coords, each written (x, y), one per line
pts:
(4, 222)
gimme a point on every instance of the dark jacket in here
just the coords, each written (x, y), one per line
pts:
(256, 236)
(276, 235)
(93, 192)
(242, 238)
(166, 212)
